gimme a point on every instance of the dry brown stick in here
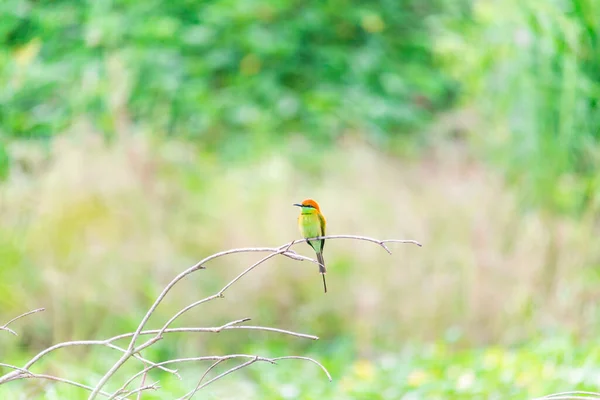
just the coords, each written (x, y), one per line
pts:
(5, 326)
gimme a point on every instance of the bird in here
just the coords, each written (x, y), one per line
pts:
(312, 224)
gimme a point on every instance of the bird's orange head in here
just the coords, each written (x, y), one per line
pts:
(309, 203)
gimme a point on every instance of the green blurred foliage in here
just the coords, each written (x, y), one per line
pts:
(533, 70)
(221, 70)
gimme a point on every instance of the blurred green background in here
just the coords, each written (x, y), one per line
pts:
(138, 137)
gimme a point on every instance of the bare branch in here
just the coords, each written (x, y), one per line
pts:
(182, 275)
(575, 395)
(14, 367)
(5, 326)
(291, 254)
(108, 342)
(150, 342)
(184, 360)
(250, 268)
(216, 329)
(142, 384)
(191, 394)
(17, 372)
(85, 343)
(139, 390)
(35, 359)
(11, 376)
(219, 359)
(307, 359)
(283, 331)
(274, 251)
(229, 371)
(571, 397)
(133, 350)
(69, 382)
(365, 238)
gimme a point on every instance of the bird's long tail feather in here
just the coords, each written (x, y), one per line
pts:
(322, 269)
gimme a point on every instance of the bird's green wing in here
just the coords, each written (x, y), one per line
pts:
(323, 223)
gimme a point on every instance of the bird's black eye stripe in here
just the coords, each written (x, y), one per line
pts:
(309, 206)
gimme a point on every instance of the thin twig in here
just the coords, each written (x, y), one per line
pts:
(5, 326)
(35, 359)
(247, 270)
(218, 360)
(229, 371)
(191, 394)
(570, 398)
(577, 394)
(22, 370)
(11, 376)
(108, 342)
(365, 238)
(283, 331)
(67, 381)
(183, 360)
(216, 329)
(153, 386)
(195, 267)
(307, 359)
(142, 383)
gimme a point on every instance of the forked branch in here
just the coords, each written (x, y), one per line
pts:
(5, 326)
(133, 349)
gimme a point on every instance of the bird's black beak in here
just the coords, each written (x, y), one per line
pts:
(297, 205)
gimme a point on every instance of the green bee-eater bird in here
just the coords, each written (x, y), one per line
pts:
(312, 224)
